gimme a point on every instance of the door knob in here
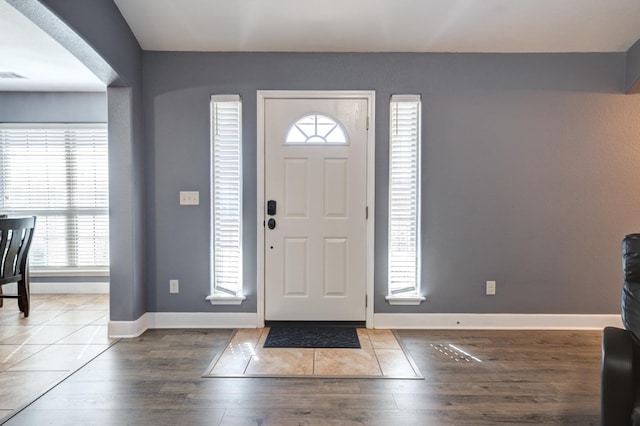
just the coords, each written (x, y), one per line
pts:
(271, 223)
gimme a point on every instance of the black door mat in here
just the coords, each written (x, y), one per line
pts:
(312, 337)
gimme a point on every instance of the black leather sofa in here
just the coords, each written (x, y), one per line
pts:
(620, 382)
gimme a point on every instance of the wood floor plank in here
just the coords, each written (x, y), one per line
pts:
(320, 417)
(520, 377)
(119, 417)
(283, 400)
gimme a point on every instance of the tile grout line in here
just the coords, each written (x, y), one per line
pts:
(255, 347)
(29, 328)
(46, 345)
(397, 346)
(407, 355)
(64, 376)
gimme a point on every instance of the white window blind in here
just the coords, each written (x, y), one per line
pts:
(226, 197)
(59, 173)
(404, 196)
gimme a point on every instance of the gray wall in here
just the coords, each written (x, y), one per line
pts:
(632, 71)
(104, 31)
(53, 107)
(529, 166)
(530, 171)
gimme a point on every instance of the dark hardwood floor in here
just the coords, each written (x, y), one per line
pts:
(471, 378)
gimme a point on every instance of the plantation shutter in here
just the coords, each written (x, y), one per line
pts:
(404, 195)
(226, 129)
(59, 173)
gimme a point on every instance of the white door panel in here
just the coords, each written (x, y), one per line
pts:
(315, 258)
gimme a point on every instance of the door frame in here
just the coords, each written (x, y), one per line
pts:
(262, 96)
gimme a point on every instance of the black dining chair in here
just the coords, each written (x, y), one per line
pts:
(15, 239)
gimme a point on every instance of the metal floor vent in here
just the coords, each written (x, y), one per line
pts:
(8, 74)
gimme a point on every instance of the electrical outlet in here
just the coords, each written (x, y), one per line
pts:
(491, 288)
(189, 198)
(174, 286)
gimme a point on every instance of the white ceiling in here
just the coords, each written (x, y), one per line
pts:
(28, 51)
(502, 26)
(384, 25)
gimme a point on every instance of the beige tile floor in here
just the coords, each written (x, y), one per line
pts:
(380, 356)
(62, 332)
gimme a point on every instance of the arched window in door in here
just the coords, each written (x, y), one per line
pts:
(316, 129)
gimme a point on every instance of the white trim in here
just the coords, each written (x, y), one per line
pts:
(406, 98)
(371, 205)
(69, 272)
(152, 320)
(27, 125)
(262, 96)
(260, 215)
(202, 320)
(126, 329)
(225, 98)
(61, 288)
(496, 321)
(226, 300)
(406, 301)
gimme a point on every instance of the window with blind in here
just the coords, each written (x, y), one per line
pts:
(404, 200)
(59, 173)
(226, 200)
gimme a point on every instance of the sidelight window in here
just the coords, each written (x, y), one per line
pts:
(226, 200)
(404, 200)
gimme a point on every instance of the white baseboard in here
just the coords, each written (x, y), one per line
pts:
(62, 288)
(496, 321)
(182, 320)
(125, 329)
(203, 320)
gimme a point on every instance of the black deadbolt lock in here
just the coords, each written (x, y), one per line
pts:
(271, 208)
(271, 223)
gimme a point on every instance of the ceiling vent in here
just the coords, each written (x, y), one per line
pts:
(8, 74)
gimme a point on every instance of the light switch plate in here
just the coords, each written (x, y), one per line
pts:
(189, 198)
(491, 288)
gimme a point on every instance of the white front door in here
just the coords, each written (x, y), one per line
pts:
(316, 181)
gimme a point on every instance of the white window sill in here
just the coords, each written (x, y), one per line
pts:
(68, 272)
(405, 300)
(226, 300)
